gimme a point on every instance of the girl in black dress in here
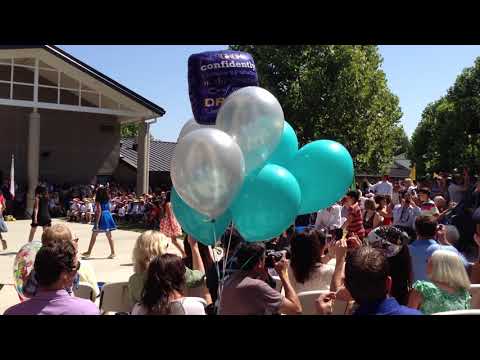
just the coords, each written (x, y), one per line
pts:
(41, 215)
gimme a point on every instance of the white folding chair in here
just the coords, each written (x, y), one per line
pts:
(475, 292)
(85, 291)
(307, 299)
(460, 312)
(114, 298)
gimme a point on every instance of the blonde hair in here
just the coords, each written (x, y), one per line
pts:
(148, 245)
(448, 269)
(57, 232)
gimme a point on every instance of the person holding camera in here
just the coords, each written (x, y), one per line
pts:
(427, 231)
(246, 292)
(405, 213)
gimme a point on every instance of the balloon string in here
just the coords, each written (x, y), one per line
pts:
(225, 258)
(216, 266)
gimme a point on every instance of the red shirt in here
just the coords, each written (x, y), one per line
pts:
(356, 221)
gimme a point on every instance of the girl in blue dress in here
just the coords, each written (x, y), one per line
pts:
(104, 222)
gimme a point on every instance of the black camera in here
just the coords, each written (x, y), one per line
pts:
(272, 256)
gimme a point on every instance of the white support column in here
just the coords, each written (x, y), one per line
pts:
(143, 158)
(33, 157)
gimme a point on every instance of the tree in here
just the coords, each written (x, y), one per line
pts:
(401, 142)
(129, 130)
(336, 92)
(447, 137)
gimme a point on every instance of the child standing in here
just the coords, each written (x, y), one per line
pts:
(104, 222)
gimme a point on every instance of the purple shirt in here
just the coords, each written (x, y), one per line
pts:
(57, 302)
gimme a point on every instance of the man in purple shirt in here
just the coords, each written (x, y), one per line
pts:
(56, 265)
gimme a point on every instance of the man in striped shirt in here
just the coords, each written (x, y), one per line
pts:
(354, 223)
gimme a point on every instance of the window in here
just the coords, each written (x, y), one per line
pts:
(4, 91)
(90, 99)
(69, 97)
(23, 92)
(68, 82)
(5, 72)
(47, 94)
(24, 61)
(23, 75)
(48, 77)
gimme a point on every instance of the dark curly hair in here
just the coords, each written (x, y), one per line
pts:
(306, 252)
(166, 274)
(52, 259)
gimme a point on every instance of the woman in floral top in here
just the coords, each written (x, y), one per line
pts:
(448, 288)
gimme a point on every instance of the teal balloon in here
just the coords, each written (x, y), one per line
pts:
(324, 171)
(267, 204)
(286, 149)
(198, 225)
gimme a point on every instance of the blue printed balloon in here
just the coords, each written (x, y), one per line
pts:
(324, 171)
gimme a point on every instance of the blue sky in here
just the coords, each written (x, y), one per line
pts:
(417, 74)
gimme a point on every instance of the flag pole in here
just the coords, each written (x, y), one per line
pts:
(12, 177)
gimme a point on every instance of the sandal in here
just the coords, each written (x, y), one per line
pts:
(86, 255)
(112, 256)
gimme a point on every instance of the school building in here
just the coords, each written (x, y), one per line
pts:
(61, 119)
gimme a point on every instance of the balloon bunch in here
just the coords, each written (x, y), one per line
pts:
(247, 168)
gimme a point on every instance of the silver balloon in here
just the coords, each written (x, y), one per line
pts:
(207, 170)
(192, 125)
(254, 119)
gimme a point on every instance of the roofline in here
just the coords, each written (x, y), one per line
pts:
(94, 73)
(155, 140)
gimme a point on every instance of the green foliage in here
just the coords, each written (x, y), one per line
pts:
(129, 130)
(336, 92)
(444, 138)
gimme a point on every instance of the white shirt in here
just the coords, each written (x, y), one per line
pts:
(83, 208)
(191, 306)
(405, 216)
(329, 218)
(319, 279)
(121, 211)
(90, 207)
(383, 188)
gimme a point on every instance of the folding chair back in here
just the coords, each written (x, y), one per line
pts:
(85, 291)
(114, 298)
(307, 299)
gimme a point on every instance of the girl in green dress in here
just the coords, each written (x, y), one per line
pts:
(448, 288)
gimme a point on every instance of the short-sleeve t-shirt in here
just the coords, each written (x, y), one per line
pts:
(244, 295)
(436, 300)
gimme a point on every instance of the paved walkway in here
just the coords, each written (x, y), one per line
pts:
(107, 270)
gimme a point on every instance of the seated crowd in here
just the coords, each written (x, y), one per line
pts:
(391, 252)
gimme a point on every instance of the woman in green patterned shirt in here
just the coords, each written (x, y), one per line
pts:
(448, 288)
